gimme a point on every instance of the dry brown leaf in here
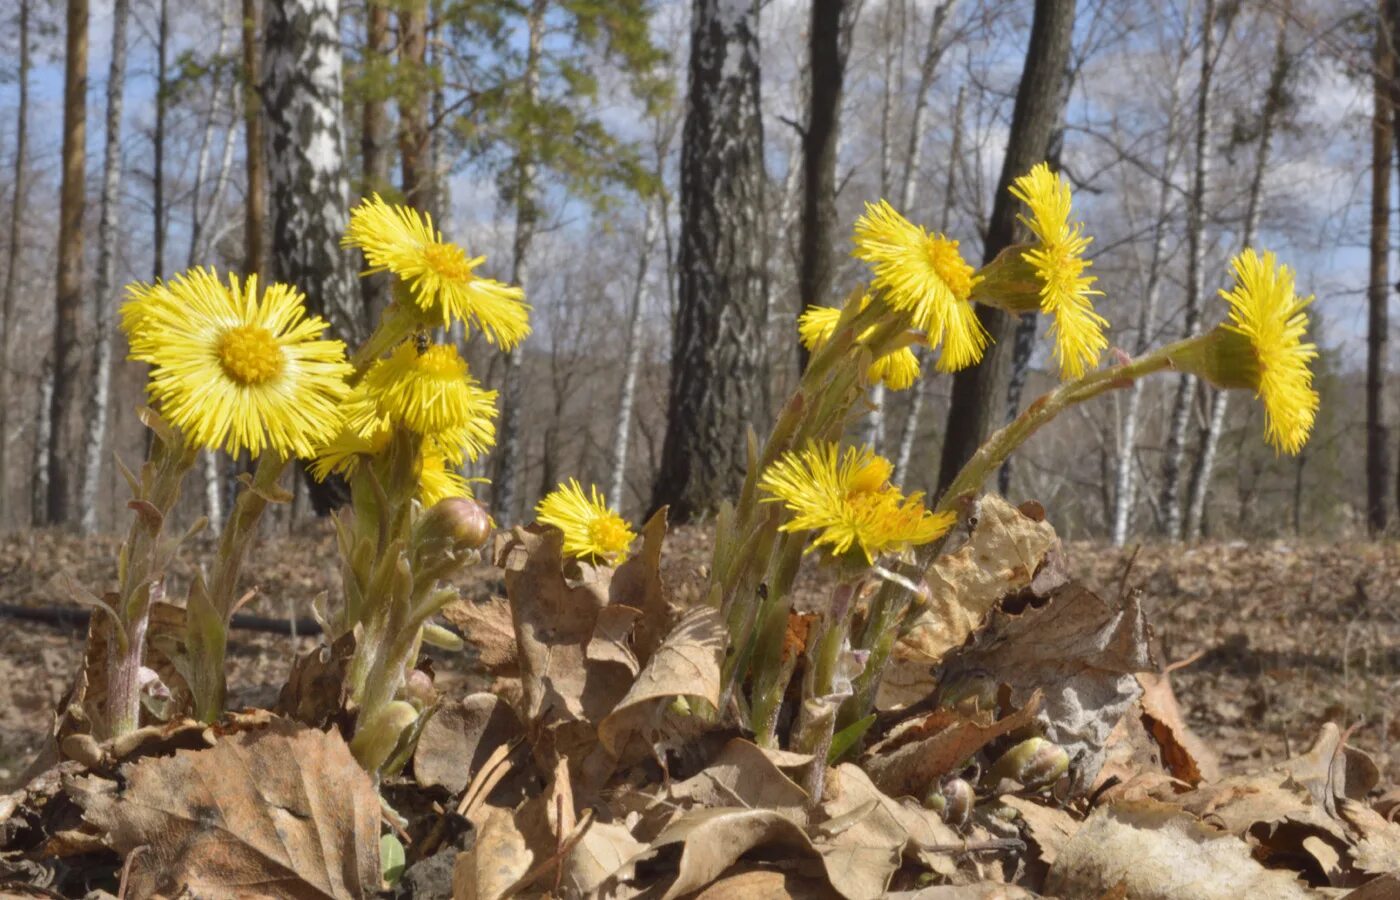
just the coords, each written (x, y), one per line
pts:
(637, 583)
(282, 811)
(687, 664)
(1158, 852)
(165, 635)
(985, 890)
(767, 884)
(315, 692)
(1377, 846)
(1000, 557)
(1081, 652)
(1387, 887)
(742, 773)
(867, 834)
(1333, 771)
(715, 839)
(459, 737)
(488, 631)
(497, 860)
(605, 849)
(910, 760)
(1049, 827)
(1184, 754)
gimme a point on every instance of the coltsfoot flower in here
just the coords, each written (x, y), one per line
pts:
(237, 369)
(898, 369)
(924, 274)
(847, 499)
(433, 393)
(593, 531)
(440, 276)
(1265, 310)
(1059, 264)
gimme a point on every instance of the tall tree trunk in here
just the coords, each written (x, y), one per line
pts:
(1378, 289)
(717, 353)
(919, 392)
(374, 142)
(978, 392)
(309, 186)
(1023, 340)
(1200, 477)
(67, 351)
(413, 107)
(198, 215)
(106, 272)
(928, 68)
(627, 395)
(1175, 456)
(158, 139)
(827, 70)
(41, 465)
(255, 170)
(19, 183)
(511, 448)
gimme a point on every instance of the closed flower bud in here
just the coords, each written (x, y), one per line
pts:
(376, 738)
(1034, 763)
(459, 520)
(953, 801)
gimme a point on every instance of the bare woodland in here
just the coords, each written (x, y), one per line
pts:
(672, 183)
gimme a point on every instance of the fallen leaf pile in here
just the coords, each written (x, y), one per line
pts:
(1031, 739)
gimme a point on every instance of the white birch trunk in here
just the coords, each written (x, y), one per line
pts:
(622, 432)
(95, 437)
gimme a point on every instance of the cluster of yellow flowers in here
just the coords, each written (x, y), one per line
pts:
(241, 370)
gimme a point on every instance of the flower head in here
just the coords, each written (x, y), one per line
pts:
(1265, 310)
(440, 275)
(592, 530)
(237, 370)
(848, 499)
(1060, 265)
(924, 274)
(898, 369)
(437, 479)
(430, 392)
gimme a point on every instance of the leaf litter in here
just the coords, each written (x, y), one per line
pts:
(577, 747)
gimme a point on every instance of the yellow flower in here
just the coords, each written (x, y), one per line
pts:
(431, 393)
(1265, 310)
(437, 480)
(592, 530)
(1060, 265)
(898, 369)
(924, 274)
(235, 370)
(439, 274)
(847, 497)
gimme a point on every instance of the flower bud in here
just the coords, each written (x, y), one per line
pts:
(1222, 357)
(376, 738)
(418, 689)
(1033, 763)
(459, 520)
(1009, 282)
(953, 801)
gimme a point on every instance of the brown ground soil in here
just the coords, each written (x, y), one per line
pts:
(1278, 637)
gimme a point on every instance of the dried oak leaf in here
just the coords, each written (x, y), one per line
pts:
(1377, 846)
(459, 737)
(488, 631)
(1077, 649)
(917, 753)
(1048, 827)
(715, 839)
(1184, 754)
(495, 863)
(742, 772)
(767, 884)
(1155, 851)
(1001, 556)
(687, 664)
(637, 583)
(281, 811)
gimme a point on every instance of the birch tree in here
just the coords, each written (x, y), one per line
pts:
(107, 225)
(717, 348)
(254, 168)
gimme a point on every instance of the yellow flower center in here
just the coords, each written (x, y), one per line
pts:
(441, 361)
(449, 261)
(608, 534)
(871, 477)
(251, 355)
(949, 266)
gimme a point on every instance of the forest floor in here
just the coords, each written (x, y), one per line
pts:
(1269, 640)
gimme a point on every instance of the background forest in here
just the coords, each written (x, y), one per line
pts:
(672, 183)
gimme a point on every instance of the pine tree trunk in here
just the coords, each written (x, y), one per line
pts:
(627, 396)
(718, 353)
(413, 107)
(1219, 405)
(306, 163)
(255, 169)
(1175, 454)
(979, 392)
(510, 449)
(67, 350)
(107, 225)
(18, 185)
